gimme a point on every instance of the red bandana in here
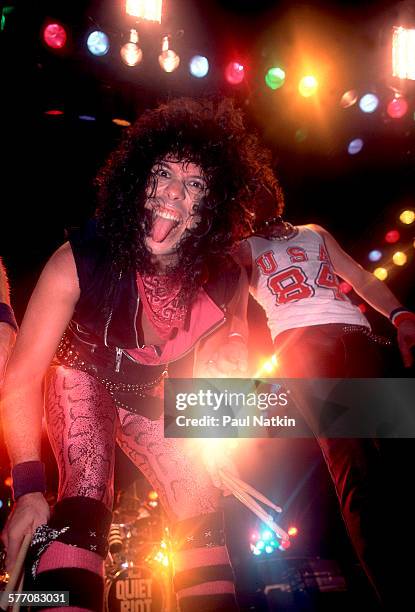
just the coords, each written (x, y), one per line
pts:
(160, 296)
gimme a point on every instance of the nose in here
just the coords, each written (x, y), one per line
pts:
(175, 189)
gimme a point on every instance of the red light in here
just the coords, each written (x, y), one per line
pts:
(285, 544)
(8, 482)
(345, 287)
(54, 112)
(234, 73)
(254, 536)
(292, 531)
(54, 36)
(362, 307)
(397, 108)
(392, 236)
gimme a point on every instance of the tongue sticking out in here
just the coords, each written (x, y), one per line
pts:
(161, 228)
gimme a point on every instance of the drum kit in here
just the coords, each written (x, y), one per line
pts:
(138, 568)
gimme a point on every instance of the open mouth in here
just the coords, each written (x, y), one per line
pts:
(163, 223)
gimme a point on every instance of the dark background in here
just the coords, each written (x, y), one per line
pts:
(48, 162)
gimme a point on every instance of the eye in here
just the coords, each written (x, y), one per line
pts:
(162, 172)
(198, 186)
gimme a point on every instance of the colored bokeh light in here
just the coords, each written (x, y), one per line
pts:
(292, 531)
(153, 495)
(234, 73)
(407, 217)
(275, 77)
(397, 108)
(375, 255)
(131, 54)
(54, 112)
(121, 122)
(392, 236)
(55, 36)
(199, 66)
(308, 86)
(355, 146)
(399, 258)
(381, 273)
(369, 103)
(98, 43)
(349, 98)
(344, 288)
(362, 307)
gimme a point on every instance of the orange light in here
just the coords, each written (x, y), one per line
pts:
(150, 10)
(121, 122)
(153, 495)
(407, 217)
(8, 481)
(292, 531)
(131, 53)
(381, 273)
(399, 258)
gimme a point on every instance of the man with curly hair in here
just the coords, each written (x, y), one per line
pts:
(123, 304)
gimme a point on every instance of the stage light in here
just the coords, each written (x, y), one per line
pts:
(362, 307)
(8, 481)
(397, 108)
(375, 255)
(355, 146)
(308, 86)
(403, 53)
(153, 495)
(254, 536)
(131, 53)
(392, 236)
(168, 59)
(54, 112)
(292, 531)
(407, 217)
(149, 10)
(344, 288)
(285, 544)
(275, 77)
(98, 43)
(121, 122)
(368, 103)
(199, 66)
(269, 549)
(256, 551)
(266, 535)
(87, 118)
(260, 544)
(381, 273)
(234, 73)
(349, 98)
(1, 503)
(399, 258)
(54, 36)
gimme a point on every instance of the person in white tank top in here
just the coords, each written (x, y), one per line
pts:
(317, 332)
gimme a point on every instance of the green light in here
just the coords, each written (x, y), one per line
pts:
(6, 10)
(260, 544)
(275, 78)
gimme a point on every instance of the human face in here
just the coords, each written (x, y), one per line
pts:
(178, 190)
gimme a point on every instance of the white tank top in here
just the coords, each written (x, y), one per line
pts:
(294, 282)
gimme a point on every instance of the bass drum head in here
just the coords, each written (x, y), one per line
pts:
(136, 589)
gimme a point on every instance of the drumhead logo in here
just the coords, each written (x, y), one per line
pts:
(136, 594)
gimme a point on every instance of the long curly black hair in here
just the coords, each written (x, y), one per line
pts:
(235, 165)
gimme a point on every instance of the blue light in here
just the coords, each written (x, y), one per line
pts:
(199, 66)
(355, 146)
(87, 118)
(375, 255)
(369, 103)
(1, 503)
(98, 43)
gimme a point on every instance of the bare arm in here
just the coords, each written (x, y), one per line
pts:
(372, 290)
(48, 313)
(7, 333)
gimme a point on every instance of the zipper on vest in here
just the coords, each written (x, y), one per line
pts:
(107, 324)
(118, 358)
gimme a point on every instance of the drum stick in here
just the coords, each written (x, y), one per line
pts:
(253, 492)
(16, 572)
